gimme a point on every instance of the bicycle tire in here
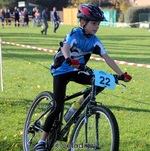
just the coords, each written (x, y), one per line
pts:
(44, 101)
(108, 131)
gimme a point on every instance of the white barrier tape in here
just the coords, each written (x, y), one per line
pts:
(93, 58)
(123, 62)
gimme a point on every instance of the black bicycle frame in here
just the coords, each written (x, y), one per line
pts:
(90, 97)
(65, 130)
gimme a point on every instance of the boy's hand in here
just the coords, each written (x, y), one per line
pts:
(73, 62)
(126, 77)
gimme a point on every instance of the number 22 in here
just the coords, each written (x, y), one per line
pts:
(104, 81)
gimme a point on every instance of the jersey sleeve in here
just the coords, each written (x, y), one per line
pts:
(70, 39)
(99, 48)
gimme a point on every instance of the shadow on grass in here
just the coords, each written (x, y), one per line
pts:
(34, 35)
(30, 57)
(135, 144)
(15, 102)
(128, 109)
(11, 145)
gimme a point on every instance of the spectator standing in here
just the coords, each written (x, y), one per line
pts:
(55, 19)
(36, 13)
(26, 17)
(17, 16)
(33, 12)
(7, 17)
(2, 16)
(45, 19)
(38, 19)
(33, 16)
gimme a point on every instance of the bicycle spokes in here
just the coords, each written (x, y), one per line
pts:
(38, 112)
(99, 133)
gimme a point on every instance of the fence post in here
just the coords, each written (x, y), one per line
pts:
(1, 70)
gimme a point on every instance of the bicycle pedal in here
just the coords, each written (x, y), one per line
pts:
(64, 139)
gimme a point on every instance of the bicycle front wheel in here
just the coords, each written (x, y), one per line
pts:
(40, 108)
(99, 131)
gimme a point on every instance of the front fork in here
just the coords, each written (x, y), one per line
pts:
(88, 112)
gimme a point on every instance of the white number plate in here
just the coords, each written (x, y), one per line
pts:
(104, 79)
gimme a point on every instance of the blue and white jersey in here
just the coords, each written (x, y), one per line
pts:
(82, 46)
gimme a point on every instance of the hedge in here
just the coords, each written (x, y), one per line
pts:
(132, 14)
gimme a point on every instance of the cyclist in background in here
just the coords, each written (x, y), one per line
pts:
(75, 50)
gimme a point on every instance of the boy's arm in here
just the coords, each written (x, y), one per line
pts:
(112, 64)
(66, 50)
(115, 67)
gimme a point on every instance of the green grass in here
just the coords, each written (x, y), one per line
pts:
(26, 73)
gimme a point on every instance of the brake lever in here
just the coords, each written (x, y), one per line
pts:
(84, 72)
(119, 83)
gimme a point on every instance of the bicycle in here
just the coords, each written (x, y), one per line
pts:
(90, 118)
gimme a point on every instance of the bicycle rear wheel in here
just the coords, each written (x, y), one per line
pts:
(101, 132)
(41, 106)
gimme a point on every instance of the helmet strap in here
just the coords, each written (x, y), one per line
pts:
(85, 23)
(87, 35)
(83, 27)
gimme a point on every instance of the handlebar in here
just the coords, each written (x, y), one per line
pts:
(86, 70)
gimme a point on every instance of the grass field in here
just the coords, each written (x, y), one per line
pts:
(26, 73)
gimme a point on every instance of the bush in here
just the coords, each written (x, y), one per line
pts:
(132, 14)
(121, 8)
(121, 18)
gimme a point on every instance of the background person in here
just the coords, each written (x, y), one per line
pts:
(33, 16)
(38, 18)
(2, 17)
(17, 16)
(26, 17)
(45, 19)
(55, 19)
(7, 17)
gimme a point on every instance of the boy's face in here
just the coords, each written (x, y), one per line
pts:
(92, 27)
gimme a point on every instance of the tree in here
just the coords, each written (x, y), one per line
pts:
(59, 4)
(8, 4)
(76, 3)
(121, 8)
(124, 6)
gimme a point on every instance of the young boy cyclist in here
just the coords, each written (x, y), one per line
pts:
(76, 49)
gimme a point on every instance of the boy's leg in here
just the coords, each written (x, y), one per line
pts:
(59, 84)
(85, 79)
